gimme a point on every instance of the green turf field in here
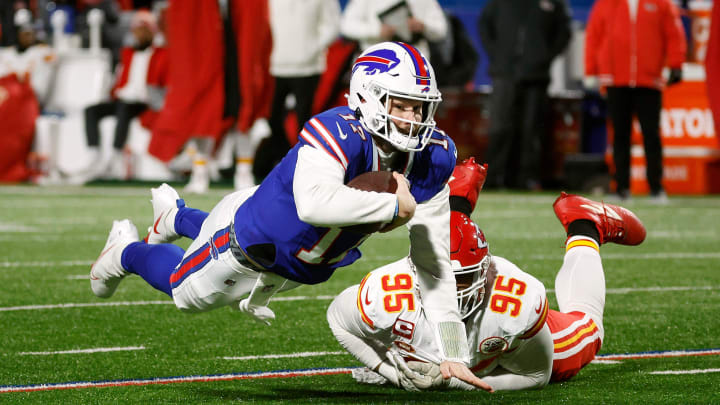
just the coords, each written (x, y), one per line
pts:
(662, 296)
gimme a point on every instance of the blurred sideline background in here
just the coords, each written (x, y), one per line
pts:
(42, 112)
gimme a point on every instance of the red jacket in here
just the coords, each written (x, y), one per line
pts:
(195, 99)
(621, 52)
(156, 73)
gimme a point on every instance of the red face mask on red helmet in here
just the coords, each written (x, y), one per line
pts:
(470, 258)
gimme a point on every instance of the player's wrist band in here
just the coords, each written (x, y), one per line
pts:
(397, 208)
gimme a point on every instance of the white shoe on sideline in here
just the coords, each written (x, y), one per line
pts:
(107, 271)
(165, 202)
(199, 180)
(659, 198)
(118, 167)
(97, 168)
(243, 176)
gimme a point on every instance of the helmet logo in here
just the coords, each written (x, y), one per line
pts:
(380, 61)
(482, 242)
(425, 90)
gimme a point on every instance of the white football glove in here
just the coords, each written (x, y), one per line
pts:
(260, 314)
(431, 375)
(364, 375)
(432, 371)
(409, 379)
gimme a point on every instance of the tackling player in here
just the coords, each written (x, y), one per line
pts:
(516, 341)
(289, 230)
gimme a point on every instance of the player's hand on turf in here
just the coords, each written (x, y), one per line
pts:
(260, 314)
(461, 372)
(406, 203)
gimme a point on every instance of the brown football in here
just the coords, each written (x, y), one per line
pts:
(381, 182)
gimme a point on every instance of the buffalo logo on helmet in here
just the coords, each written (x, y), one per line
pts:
(380, 61)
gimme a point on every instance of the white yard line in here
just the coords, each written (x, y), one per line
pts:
(132, 303)
(303, 298)
(606, 362)
(558, 257)
(84, 351)
(659, 289)
(653, 289)
(626, 256)
(16, 228)
(67, 263)
(306, 372)
(285, 356)
(45, 238)
(306, 298)
(677, 372)
(173, 380)
(663, 354)
(83, 305)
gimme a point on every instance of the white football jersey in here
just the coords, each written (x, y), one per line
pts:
(388, 310)
(515, 311)
(388, 302)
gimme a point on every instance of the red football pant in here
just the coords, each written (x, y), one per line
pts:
(576, 338)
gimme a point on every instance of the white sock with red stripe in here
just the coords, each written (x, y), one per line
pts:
(580, 283)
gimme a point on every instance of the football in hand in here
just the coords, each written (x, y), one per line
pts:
(381, 182)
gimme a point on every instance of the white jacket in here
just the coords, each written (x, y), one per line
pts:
(302, 30)
(360, 21)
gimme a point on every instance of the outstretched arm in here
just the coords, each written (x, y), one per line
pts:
(322, 198)
(430, 252)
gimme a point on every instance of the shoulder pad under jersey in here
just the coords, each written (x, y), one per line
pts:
(338, 133)
(388, 293)
(518, 300)
(432, 167)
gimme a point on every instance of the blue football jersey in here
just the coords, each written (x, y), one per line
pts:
(310, 254)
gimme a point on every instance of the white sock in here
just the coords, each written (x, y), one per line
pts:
(580, 283)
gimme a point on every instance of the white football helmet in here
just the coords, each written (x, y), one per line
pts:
(398, 70)
(470, 259)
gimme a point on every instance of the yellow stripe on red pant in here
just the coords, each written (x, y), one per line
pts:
(576, 337)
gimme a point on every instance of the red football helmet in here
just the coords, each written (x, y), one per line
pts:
(467, 180)
(470, 258)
